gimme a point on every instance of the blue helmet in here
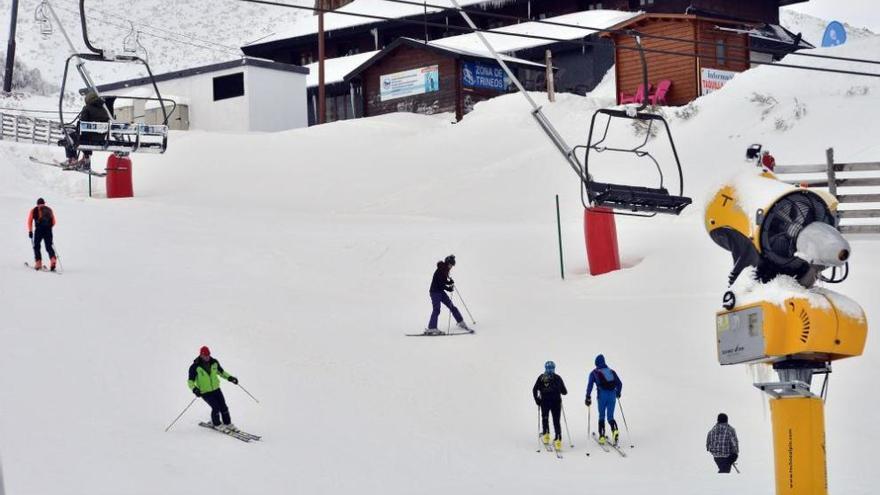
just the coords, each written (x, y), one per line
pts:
(549, 367)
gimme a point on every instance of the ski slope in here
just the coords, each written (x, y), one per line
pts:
(301, 258)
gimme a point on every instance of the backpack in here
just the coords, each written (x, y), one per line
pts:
(43, 217)
(605, 379)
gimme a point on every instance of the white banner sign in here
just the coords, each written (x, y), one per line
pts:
(713, 79)
(409, 83)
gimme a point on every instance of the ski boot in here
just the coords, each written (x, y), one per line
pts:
(602, 440)
(432, 331)
(546, 438)
(557, 444)
(70, 164)
(52, 264)
(615, 433)
(462, 325)
(230, 427)
(38, 265)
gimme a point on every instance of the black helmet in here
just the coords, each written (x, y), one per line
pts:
(41, 201)
(450, 260)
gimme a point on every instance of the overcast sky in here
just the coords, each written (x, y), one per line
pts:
(860, 13)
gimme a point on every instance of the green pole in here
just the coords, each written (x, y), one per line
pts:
(559, 232)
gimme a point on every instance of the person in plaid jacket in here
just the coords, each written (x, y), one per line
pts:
(723, 444)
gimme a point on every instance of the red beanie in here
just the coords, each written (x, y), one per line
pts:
(204, 351)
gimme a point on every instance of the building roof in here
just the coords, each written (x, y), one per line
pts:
(308, 26)
(455, 53)
(596, 19)
(644, 17)
(205, 69)
(335, 69)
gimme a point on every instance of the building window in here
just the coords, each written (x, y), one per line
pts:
(646, 2)
(720, 52)
(230, 86)
(595, 6)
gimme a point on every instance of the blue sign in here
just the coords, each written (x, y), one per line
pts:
(835, 34)
(483, 76)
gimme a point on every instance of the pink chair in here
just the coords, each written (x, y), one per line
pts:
(639, 97)
(659, 96)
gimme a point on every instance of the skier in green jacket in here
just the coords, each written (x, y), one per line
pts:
(204, 381)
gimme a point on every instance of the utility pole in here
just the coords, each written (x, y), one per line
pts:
(322, 111)
(10, 48)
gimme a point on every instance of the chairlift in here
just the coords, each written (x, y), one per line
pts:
(116, 137)
(622, 199)
(42, 19)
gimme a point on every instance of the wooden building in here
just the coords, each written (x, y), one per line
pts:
(414, 76)
(347, 35)
(715, 54)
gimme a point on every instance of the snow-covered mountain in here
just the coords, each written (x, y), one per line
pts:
(172, 34)
(813, 28)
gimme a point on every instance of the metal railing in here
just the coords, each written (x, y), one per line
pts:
(834, 176)
(24, 129)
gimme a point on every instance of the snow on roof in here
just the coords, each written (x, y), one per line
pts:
(335, 69)
(597, 19)
(383, 8)
(481, 52)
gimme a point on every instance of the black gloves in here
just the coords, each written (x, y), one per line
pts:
(587, 402)
(233, 380)
(197, 392)
(30, 234)
(618, 394)
(451, 282)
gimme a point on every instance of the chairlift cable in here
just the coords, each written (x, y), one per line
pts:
(557, 40)
(519, 19)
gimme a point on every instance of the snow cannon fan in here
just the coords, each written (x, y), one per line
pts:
(788, 235)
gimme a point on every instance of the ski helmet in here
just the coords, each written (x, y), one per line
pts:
(41, 201)
(450, 260)
(204, 351)
(722, 418)
(549, 367)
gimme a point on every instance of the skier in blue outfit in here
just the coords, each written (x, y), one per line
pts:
(608, 389)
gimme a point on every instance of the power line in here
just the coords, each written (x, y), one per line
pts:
(127, 28)
(518, 19)
(581, 42)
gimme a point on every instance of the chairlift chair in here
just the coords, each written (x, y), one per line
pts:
(624, 199)
(116, 137)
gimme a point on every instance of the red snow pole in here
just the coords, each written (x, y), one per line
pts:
(600, 235)
(119, 176)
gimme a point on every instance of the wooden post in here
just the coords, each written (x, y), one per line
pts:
(832, 175)
(322, 111)
(551, 89)
(10, 48)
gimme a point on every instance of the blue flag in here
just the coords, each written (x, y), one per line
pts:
(835, 34)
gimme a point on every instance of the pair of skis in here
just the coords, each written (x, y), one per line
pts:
(441, 334)
(608, 446)
(42, 269)
(64, 166)
(234, 433)
(549, 447)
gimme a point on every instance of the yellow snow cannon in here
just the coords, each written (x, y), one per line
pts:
(784, 237)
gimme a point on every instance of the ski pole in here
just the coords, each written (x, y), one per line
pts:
(465, 306)
(570, 443)
(57, 257)
(245, 391)
(589, 420)
(736, 468)
(622, 415)
(181, 414)
(448, 322)
(540, 443)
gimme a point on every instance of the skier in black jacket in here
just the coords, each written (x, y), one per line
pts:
(440, 285)
(95, 110)
(547, 392)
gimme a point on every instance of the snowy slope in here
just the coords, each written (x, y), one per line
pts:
(813, 28)
(302, 257)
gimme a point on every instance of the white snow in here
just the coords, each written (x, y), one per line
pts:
(335, 69)
(302, 257)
